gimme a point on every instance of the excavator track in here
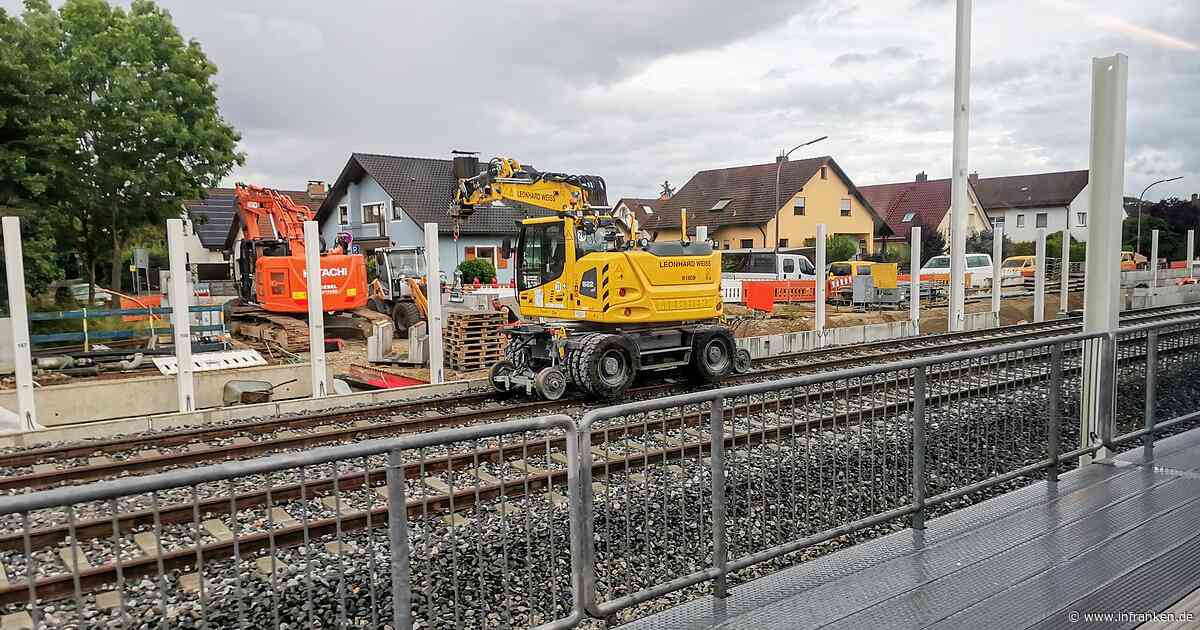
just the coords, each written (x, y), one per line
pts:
(267, 331)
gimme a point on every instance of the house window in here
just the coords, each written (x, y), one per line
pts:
(343, 215)
(648, 210)
(747, 242)
(783, 242)
(845, 207)
(798, 209)
(397, 213)
(1041, 220)
(998, 222)
(1020, 220)
(908, 217)
(810, 242)
(1081, 219)
(823, 175)
(726, 245)
(372, 213)
(720, 205)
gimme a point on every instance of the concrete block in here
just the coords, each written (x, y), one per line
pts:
(557, 499)
(147, 542)
(333, 503)
(242, 440)
(72, 561)
(437, 484)
(560, 458)
(264, 566)
(484, 476)
(108, 600)
(3, 577)
(381, 492)
(16, 621)
(218, 529)
(508, 509)
(282, 519)
(526, 467)
(336, 548)
(190, 582)
(454, 520)
(44, 467)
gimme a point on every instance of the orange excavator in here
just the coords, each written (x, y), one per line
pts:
(271, 278)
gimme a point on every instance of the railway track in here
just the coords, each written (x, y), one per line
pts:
(671, 437)
(427, 415)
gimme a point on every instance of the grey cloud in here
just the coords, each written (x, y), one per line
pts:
(883, 55)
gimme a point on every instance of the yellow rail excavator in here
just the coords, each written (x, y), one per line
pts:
(600, 305)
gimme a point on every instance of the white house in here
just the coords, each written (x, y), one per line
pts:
(1023, 203)
(384, 200)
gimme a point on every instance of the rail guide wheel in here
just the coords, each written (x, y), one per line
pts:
(551, 383)
(499, 375)
(742, 362)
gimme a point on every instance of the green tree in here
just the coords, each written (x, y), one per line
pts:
(139, 110)
(932, 242)
(839, 248)
(477, 268)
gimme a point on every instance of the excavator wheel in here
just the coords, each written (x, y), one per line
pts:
(608, 365)
(713, 355)
(575, 366)
(551, 383)
(405, 314)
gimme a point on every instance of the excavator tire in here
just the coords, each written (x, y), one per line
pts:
(405, 314)
(575, 366)
(608, 365)
(713, 355)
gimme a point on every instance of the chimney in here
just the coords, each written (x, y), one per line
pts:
(1195, 197)
(974, 177)
(317, 188)
(922, 177)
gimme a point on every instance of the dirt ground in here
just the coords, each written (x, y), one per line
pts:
(799, 317)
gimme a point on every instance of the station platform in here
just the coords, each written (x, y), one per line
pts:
(1118, 537)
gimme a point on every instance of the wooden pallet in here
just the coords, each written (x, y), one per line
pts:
(473, 340)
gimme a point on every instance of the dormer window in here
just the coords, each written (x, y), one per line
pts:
(908, 217)
(648, 210)
(720, 205)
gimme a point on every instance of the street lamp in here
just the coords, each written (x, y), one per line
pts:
(779, 169)
(1137, 245)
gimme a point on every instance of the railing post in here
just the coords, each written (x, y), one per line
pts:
(1105, 411)
(585, 497)
(716, 432)
(1151, 386)
(580, 541)
(1055, 410)
(918, 441)
(398, 542)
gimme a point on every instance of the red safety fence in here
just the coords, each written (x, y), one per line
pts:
(763, 295)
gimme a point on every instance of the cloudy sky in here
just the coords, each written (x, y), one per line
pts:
(641, 91)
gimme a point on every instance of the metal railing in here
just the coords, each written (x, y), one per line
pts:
(736, 481)
(291, 540)
(664, 499)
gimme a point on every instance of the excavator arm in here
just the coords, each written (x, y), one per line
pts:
(506, 178)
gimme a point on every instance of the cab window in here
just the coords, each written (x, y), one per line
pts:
(978, 261)
(542, 251)
(789, 266)
(601, 239)
(938, 262)
(1014, 263)
(839, 269)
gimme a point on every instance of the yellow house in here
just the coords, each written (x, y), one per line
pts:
(738, 206)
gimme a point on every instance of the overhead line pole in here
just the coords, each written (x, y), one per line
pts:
(959, 192)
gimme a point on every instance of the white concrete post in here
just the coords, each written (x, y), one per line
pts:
(997, 271)
(18, 312)
(433, 284)
(1153, 265)
(1102, 288)
(179, 291)
(316, 309)
(819, 295)
(914, 282)
(701, 233)
(1039, 277)
(960, 199)
(1065, 276)
(1191, 252)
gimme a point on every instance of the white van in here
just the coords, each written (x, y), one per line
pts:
(979, 266)
(749, 264)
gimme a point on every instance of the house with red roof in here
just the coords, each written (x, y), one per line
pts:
(922, 202)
